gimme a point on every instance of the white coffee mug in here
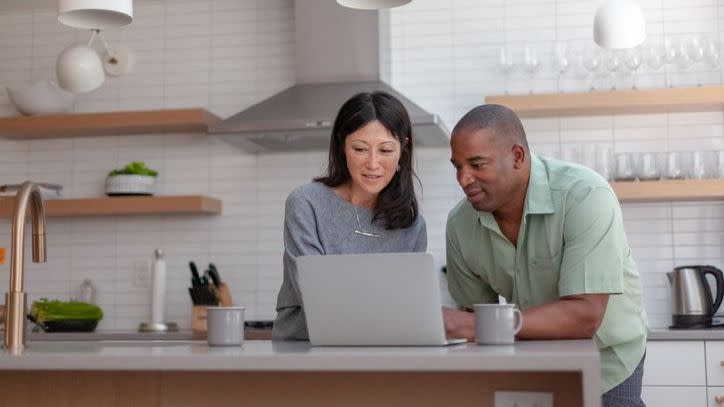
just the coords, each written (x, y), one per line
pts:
(497, 324)
(225, 326)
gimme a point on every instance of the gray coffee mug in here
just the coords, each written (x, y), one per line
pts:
(497, 324)
(225, 326)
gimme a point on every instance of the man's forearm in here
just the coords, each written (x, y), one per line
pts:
(572, 318)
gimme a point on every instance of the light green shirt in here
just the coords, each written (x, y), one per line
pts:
(571, 241)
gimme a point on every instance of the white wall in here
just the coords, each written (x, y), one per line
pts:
(228, 54)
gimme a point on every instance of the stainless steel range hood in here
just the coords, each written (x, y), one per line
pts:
(337, 55)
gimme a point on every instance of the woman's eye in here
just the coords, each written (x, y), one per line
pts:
(387, 151)
(359, 149)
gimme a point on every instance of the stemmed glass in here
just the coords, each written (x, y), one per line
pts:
(613, 65)
(591, 61)
(506, 63)
(632, 60)
(561, 61)
(531, 63)
(712, 53)
(695, 51)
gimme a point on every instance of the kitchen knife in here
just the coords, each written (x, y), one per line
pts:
(213, 275)
(195, 280)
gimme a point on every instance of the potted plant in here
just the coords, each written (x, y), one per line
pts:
(133, 179)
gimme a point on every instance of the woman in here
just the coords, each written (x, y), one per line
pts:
(364, 204)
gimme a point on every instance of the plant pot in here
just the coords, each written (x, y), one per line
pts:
(124, 184)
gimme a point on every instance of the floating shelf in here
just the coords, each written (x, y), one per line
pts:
(106, 124)
(669, 190)
(704, 98)
(145, 205)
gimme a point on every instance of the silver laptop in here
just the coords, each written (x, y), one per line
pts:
(390, 299)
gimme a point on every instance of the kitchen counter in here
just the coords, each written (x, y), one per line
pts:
(664, 334)
(548, 358)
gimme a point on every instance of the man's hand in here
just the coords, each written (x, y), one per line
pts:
(458, 324)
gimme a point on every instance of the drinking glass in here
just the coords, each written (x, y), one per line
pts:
(675, 168)
(506, 63)
(702, 163)
(653, 55)
(632, 61)
(604, 161)
(613, 65)
(531, 63)
(591, 61)
(712, 53)
(561, 61)
(625, 167)
(649, 168)
(720, 164)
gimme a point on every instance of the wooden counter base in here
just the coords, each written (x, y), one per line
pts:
(283, 389)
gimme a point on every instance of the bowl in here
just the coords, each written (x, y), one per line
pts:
(43, 97)
(127, 184)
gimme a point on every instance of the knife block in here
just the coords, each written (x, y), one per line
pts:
(198, 318)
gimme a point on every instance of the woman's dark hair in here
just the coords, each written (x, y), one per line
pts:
(396, 204)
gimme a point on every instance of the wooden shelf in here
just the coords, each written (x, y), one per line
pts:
(669, 190)
(704, 98)
(106, 124)
(144, 205)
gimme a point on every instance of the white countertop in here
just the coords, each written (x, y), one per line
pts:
(300, 356)
(664, 334)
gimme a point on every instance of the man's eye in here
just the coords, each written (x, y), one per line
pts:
(477, 166)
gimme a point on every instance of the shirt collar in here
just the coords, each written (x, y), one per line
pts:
(538, 198)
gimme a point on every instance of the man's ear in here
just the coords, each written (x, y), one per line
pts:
(519, 156)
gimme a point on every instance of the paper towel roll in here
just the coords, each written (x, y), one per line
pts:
(158, 290)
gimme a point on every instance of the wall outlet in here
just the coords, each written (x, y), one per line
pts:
(142, 273)
(523, 399)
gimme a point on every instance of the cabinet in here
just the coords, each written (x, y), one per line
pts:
(684, 373)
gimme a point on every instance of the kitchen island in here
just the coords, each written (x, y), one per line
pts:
(190, 373)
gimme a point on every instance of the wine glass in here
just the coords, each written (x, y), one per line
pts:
(632, 61)
(561, 60)
(506, 63)
(712, 53)
(591, 61)
(531, 62)
(613, 65)
(695, 50)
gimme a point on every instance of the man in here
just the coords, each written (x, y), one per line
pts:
(548, 236)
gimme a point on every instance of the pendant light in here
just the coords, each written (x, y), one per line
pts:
(619, 24)
(89, 14)
(372, 4)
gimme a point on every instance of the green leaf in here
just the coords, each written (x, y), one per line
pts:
(134, 168)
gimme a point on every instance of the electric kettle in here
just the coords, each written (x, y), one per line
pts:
(691, 298)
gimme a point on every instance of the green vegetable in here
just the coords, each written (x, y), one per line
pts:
(55, 310)
(134, 168)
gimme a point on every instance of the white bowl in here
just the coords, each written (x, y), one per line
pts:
(42, 97)
(124, 184)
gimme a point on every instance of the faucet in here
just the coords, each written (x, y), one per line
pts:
(15, 298)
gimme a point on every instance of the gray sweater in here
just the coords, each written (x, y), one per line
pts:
(318, 221)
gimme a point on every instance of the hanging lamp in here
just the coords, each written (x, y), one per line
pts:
(372, 4)
(89, 14)
(619, 24)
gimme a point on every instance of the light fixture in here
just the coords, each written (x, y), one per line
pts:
(619, 24)
(80, 69)
(95, 13)
(372, 4)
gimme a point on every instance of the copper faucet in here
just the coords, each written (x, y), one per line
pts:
(15, 307)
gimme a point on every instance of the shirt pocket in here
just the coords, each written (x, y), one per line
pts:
(543, 274)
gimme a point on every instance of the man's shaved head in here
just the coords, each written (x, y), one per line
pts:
(501, 122)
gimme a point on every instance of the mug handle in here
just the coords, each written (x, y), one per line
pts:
(518, 321)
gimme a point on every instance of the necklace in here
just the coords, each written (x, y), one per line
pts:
(361, 231)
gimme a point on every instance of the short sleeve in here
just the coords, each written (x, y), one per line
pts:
(594, 244)
(465, 287)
